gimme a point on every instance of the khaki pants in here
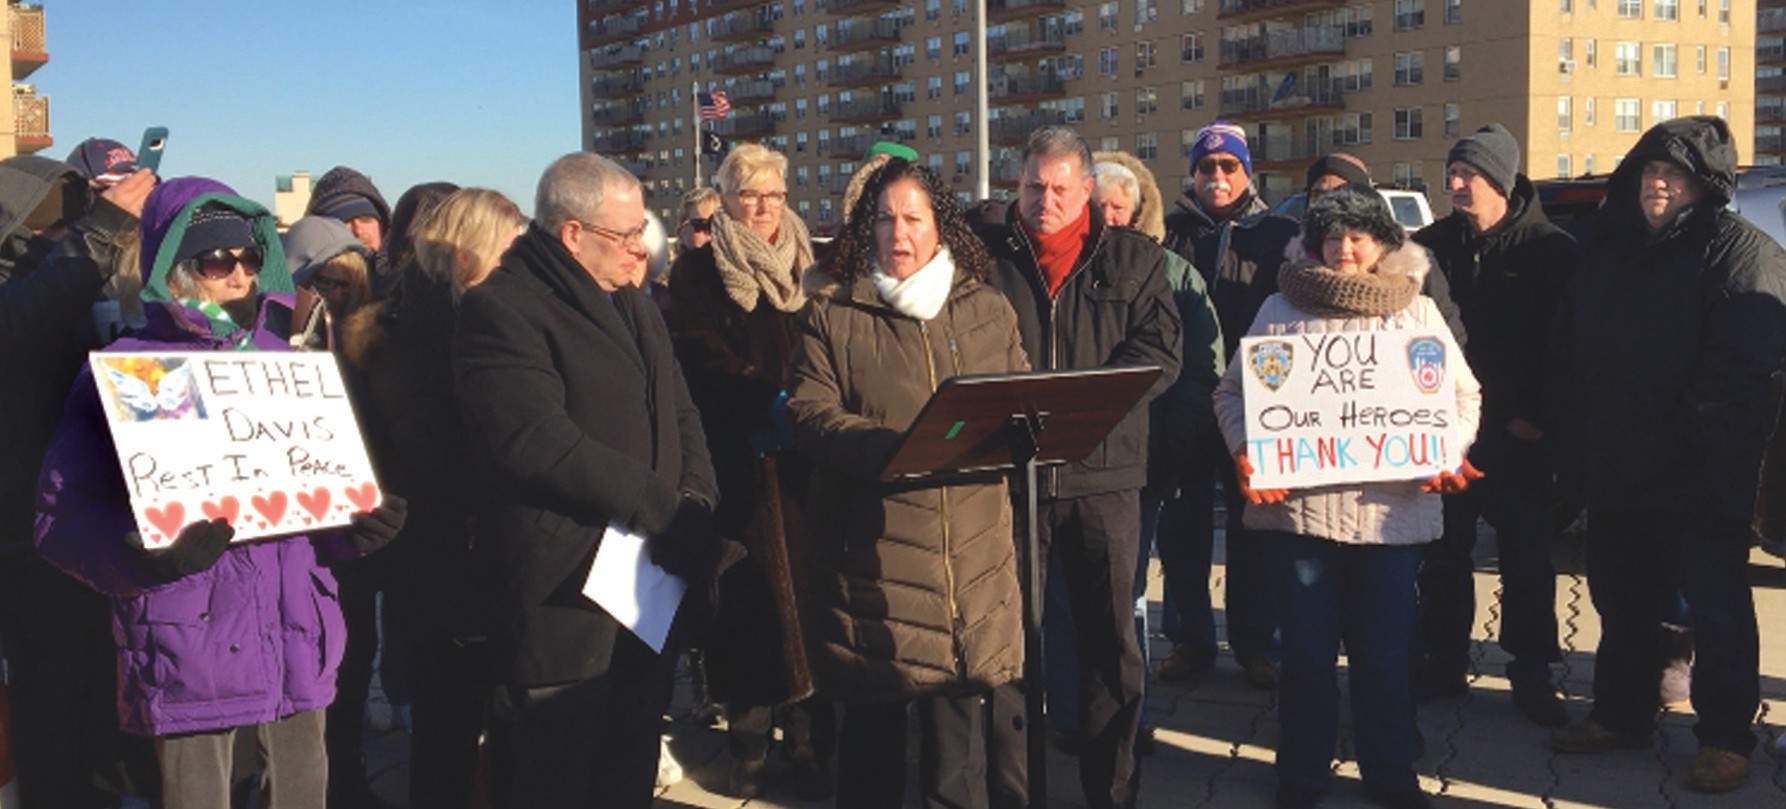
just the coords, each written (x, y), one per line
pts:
(195, 767)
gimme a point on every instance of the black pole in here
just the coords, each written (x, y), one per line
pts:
(1023, 433)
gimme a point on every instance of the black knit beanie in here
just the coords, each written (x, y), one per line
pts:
(1493, 151)
(1339, 164)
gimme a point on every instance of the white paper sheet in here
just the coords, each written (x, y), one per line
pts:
(639, 594)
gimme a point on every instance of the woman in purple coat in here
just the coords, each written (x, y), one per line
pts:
(212, 637)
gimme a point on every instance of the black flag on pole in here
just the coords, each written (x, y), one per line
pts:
(713, 144)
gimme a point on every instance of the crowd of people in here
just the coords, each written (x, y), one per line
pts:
(529, 389)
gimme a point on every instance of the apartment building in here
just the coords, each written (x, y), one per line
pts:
(27, 130)
(1393, 81)
(1770, 82)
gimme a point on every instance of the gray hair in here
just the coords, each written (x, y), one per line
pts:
(1117, 175)
(575, 186)
(1058, 141)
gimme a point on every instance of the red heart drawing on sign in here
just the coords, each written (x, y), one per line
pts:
(271, 507)
(168, 520)
(316, 502)
(364, 497)
(225, 509)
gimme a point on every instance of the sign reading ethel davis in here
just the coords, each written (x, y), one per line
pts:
(267, 441)
(1349, 407)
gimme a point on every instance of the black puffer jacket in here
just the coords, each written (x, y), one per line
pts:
(1666, 341)
(1507, 284)
(1239, 257)
(1114, 309)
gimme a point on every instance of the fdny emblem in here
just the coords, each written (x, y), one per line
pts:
(1271, 362)
(1426, 361)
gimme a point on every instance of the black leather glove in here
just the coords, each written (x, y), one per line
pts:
(375, 529)
(686, 546)
(196, 549)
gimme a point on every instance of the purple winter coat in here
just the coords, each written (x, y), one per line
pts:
(255, 638)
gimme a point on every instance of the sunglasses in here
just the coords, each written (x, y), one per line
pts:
(220, 263)
(325, 284)
(699, 225)
(1228, 165)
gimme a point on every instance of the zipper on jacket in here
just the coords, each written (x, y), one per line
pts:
(955, 623)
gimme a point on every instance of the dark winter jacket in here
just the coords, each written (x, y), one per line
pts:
(577, 406)
(915, 592)
(736, 363)
(1239, 257)
(44, 309)
(1114, 309)
(1507, 284)
(259, 635)
(1666, 341)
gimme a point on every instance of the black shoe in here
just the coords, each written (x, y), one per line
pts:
(1431, 685)
(1144, 743)
(1292, 797)
(1410, 799)
(747, 778)
(1542, 704)
(1066, 741)
(812, 780)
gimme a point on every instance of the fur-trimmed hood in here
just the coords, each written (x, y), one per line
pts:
(1150, 210)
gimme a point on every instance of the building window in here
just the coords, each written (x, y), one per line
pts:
(1723, 64)
(959, 8)
(1662, 61)
(821, 34)
(962, 43)
(1073, 22)
(1453, 120)
(1661, 111)
(800, 113)
(1190, 48)
(1107, 61)
(1624, 115)
(1410, 14)
(963, 80)
(1190, 95)
(1566, 6)
(933, 48)
(934, 162)
(933, 88)
(824, 108)
(1356, 20)
(800, 140)
(964, 122)
(933, 126)
(1631, 9)
(933, 10)
(1724, 110)
(905, 92)
(1189, 7)
(799, 39)
(964, 162)
(1109, 143)
(1410, 68)
(1407, 175)
(1565, 114)
(1667, 10)
(1724, 11)
(1146, 100)
(1408, 123)
(1146, 11)
(1107, 15)
(1566, 55)
(1110, 107)
(1454, 12)
(1454, 56)
(1352, 129)
(1562, 167)
(1591, 55)
(1627, 59)
(1699, 59)
(1147, 146)
(1145, 57)
(1587, 111)
(1587, 165)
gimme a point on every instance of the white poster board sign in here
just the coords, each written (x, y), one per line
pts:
(1349, 407)
(266, 440)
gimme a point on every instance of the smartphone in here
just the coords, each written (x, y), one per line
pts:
(148, 155)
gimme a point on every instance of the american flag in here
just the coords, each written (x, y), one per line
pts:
(714, 106)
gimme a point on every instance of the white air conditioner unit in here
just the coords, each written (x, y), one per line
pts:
(1566, 66)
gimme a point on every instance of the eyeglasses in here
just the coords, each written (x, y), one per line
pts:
(701, 225)
(323, 283)
(622, 237)
(1228, 165)
(220, 263)
(773, 199)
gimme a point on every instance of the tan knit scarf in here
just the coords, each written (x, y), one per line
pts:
(752, 268)
(1325, 292)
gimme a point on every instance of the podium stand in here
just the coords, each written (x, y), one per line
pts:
(1017, 423)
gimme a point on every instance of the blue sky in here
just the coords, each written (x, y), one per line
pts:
(477, 92)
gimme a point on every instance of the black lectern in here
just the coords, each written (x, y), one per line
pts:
(1016, 423)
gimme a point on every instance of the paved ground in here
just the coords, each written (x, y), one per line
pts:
(1216, 738)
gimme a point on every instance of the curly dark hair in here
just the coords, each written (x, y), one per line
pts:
(853, 256)
(1350, 208)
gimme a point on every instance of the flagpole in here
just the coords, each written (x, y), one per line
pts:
(694, 97)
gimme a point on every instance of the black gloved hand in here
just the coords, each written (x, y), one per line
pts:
(375, 529)
(686, 546)
(196, 549)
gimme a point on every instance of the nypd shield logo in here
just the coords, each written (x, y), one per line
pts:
(1270, 361)
(1426, 361)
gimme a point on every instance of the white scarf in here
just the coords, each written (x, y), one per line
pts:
(922, 294)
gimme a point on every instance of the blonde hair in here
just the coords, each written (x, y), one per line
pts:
(704, 200)
(359, 278)
(462, 239)
(749, 163)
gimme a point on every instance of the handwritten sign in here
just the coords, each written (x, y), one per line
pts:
(267, 441)
(1349, 407)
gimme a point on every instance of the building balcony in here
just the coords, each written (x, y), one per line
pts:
(1770, 85)
(31, 120)
(601, 8)
(616, 115)
(1283, 48)
(865, 73)
(610, 58)
(1006, 11)
(742, 26)
(29, 49)
(1006, 172)
(1020, 41)
(749, 92)
(1771, 21)
(638, 168)
(744, 60)
(1281, 152)
(745, 126)
(614, 29)
(620, 141)
(1007, 89)
(854, 8)
(1255, 9)
(617, 85)
(1302, 98)
(1014, 130)
(853, 147)
(1770, 54)
(861, 34)
(864, 111)
(1770, 144)
(1763, 115)
(834, 183)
